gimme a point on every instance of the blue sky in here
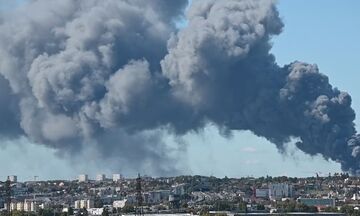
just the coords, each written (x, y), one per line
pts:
(325, 32)
(9, 4)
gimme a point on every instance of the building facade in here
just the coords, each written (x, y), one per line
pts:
(100, 177)
(83, 178)
(116, 177)
(262, 193)
(278, 191)
(318, 202)
(86, 203)
(120, 203)
(26, 206)
(13, 178)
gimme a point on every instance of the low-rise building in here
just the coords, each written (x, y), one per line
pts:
(20, 206)
(120, 203)
(86, 203)
(116, 177)
(95, 211)
(262, 193)
(13, 178)
(100, 177)
(83, 178)
(27, 206)
(318, 202)
(179, 189)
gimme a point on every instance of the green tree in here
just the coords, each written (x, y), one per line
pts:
(83, 212)
(330, 209)
(105, 212)
(185, 205)
(70, 211)
(46, 212)
(17, 213)
(260, 207)
(242, 207)
(204, 211)
(128, 209)
(222, 206)
(305, 208)
(348, 210)
(289, 206)
(98, 203)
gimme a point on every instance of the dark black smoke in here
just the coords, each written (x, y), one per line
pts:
(118, 74)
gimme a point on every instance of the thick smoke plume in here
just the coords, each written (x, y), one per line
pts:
(118, 74)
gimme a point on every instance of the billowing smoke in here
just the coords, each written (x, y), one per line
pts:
(119, 75)
(75, 74)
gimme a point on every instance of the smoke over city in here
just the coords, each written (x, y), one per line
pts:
(119, 75)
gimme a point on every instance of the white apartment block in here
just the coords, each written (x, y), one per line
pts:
(27, 206)
(116, 177)
(120, 203)
(95, 211)
(83, 178)
(20, 206)
(100, 177)
(87, 203)
(13, 178)
(13, 206)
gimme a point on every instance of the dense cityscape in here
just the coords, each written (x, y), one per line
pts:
(227, 87)
(335, 194)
